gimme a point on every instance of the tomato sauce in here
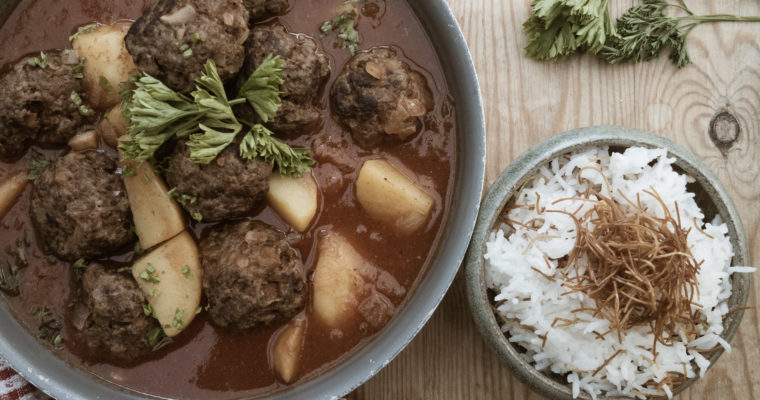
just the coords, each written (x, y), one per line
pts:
(207, 360)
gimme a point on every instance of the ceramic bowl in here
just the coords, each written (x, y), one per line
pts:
(711, 197)
(60, 381)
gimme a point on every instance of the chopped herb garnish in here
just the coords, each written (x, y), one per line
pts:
(127, 171)
(157, 339)
(153, 293)
(40, 312)
(187, 53)
(195, 37)
(345, 26)
(9, 280)
(41, 61)
(124, 269)
(157, 114)
(150, 275)
(83, 108)
(83, 30)
(184, 47)
(148, 310)
(50, 326)
(79, 267)
(196, 215)
(207, 307)
(106, 85)
(21, 260)
(177, 321)
(186, 271)
(37, 164)
(78, 69)
(138, 249)
(58, 340)
(198, 310)
(181, 198)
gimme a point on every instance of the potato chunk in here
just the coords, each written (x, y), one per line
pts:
(157, 217)
(294, 199)
(84, 141)
(287, 349)
(10, 189)
(113, 126)
(107, 62)
(170, 277)
(389, 196)
(337, 280)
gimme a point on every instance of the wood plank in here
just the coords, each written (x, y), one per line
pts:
(528, 101)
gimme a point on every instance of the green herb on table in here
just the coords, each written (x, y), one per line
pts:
(41, 61)
(345, 25)
(645, 31)
(157, 114)
(559, 28)
(37, 164)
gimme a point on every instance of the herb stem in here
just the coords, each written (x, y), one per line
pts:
(237, 101)
(718, 18)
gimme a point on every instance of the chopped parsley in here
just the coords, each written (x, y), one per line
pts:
(50, 326)
(195, 37)
(78, 69)
(9, 279)
(21, 260)
(124, 269)
(153, 293)
(196, 215)
(148, 310)
(83, 108)
(345, 25)
(157, 339)
(150, 275)
(83, 30)
(79, 267)
(127, 171)
(41, 61)
(198, 310)
(37, 164)
(181, 198)
(177, 321)
(186, 271)
(106, 85)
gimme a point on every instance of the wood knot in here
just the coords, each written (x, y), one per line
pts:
(724, 131)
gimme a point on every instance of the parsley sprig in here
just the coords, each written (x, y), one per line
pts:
(558, 28)
(206, 118)
(645, 31)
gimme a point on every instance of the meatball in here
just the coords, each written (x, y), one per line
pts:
(109, 315)
(380, 98)
(79, 207)
(173, 39)
(36, 104)
(306, 70)
(251, 275)
(261, 9)
(227, 187)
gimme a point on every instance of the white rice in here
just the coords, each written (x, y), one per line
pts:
(533, 302)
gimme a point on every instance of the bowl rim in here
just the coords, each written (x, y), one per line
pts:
(57, 379)
(509, 182)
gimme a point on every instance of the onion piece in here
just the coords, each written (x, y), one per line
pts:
(179, 17)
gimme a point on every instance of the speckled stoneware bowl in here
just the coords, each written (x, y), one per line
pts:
(711, 197)
(59, 380)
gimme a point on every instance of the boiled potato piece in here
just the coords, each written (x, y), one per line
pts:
(294, 199)
(113, 126)
(389, 196)
(10, 189)
(107, 62)
(337, 280)
(287, 349)
(84, 141)
(157, 217)
(170, 277)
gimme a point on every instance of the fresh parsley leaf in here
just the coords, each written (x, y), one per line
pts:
(41, 61)
(259, 142)
(262, 89)
(196, 215)
(558, 28)
(106, 85)
(38, 163)
(83, 30)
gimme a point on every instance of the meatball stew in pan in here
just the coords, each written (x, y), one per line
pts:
(218, 196)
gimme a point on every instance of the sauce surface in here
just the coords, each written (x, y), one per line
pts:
(206, 360)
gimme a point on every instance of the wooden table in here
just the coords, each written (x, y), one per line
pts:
(711, 107)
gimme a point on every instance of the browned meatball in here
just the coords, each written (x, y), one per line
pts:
(79, 207)
(228, 187)
(161, 40)
(36, 104)
(251, 275)
(380, 98)
(306, 70)
(261, 9)
(109, 315)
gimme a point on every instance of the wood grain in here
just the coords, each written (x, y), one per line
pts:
(528, 101)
